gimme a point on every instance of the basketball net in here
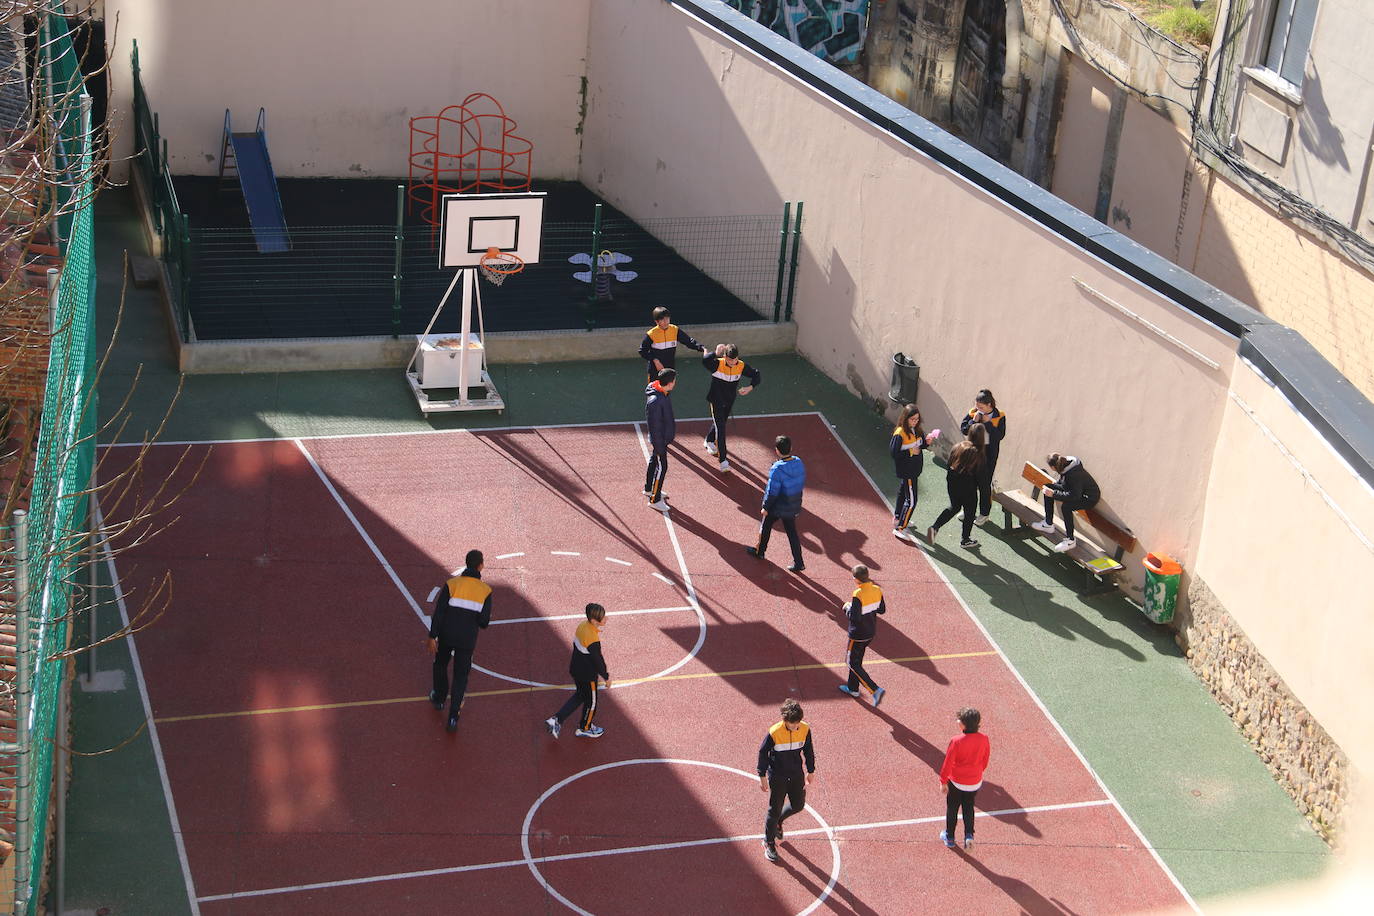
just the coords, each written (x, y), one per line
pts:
(496, 265)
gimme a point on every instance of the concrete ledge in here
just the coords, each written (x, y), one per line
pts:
(332, 353)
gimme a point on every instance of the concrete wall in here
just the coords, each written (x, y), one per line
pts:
(889, 245)
(1318, 142)
(340, 80)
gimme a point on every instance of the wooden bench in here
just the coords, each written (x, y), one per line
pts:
(1095, 561)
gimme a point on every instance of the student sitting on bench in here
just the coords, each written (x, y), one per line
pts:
(1075, 489)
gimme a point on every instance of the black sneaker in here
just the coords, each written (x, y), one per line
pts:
(968, 543)
(770, 852)
(435, 700)
(453, 723)
(796, 567)
(753, 552)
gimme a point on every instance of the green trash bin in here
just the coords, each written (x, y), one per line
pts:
(1161, 586)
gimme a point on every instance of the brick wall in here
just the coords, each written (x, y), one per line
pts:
(1263, 260)
(1302, 757)
(23, 345)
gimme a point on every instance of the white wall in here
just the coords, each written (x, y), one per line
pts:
(341, 79)
(1288, 548)
(898, 254)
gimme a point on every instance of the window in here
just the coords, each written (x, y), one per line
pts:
(1290, 35)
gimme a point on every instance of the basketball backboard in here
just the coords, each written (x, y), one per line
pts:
(473, 223)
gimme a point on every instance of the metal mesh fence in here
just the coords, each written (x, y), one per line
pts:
(64, 457)
(347, 281)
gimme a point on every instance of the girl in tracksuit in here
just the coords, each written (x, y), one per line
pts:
(961, 482)
(908, 443)
(985, 411)
(1075, 489)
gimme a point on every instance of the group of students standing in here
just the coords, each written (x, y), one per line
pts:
(969, 473)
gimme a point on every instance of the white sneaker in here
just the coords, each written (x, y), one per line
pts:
(711, 448)
(904, 535)
(553, 725)
(725, 467)
(596, 731)
(1043, 526)
(661, 505)
(980, 521)
(1065, 545)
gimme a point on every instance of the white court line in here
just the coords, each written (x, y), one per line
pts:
(424, 618)
(647, 610)
(436, 432)
(148, 714)
(664, 578)
(626, 850)
(1025, 686)
(507, 556)
(621, 562)
(672, 535)
(433, 593)
(565, 553)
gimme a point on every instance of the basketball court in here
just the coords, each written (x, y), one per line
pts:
(306, 771)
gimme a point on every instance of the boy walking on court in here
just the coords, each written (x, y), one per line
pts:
(659, 347)
(782, 500)
(586, 666)
(726, 369)
(787, 765)
(462, 607)
(962, 774)
(658, 416)
(863, 609)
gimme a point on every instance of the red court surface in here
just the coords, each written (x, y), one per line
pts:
(309, 774)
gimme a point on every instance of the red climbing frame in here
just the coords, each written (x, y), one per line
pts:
(468, 148)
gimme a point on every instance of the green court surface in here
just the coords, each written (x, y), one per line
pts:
(1117, 684)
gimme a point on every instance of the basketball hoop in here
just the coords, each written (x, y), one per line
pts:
(496, 265)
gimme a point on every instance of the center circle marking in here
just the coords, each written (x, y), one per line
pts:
(691, 654)
(534, 809)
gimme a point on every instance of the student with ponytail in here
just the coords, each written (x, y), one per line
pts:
(961, 481)
(985, 411)
(909, 441)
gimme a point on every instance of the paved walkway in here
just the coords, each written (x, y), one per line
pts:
(1116, 683)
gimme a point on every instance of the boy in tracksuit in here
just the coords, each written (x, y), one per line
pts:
(782, 500)
(461, 609)
(726, 370)
(658, 416)
(863, 610)
(586, 666)
(659, 347)
(785, 750)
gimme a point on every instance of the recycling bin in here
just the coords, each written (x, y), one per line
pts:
(1162, 575)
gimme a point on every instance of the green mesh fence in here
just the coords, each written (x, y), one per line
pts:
(64, 456)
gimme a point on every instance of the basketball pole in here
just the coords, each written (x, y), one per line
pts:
(433, 318)
(464, 332)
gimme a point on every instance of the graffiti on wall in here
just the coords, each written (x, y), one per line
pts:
(830, 29)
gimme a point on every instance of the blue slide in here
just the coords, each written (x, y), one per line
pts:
(259, 185)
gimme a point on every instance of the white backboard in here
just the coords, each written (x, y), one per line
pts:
(472, 223)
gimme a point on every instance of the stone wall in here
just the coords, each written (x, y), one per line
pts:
(1299, 753)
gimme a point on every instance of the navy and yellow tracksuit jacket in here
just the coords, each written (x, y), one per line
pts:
(784, 752)
(462, 607)
(587, 662)
(864, 609)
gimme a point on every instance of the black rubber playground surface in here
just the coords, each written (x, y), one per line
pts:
(337, 279)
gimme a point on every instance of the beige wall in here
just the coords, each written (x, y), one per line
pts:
(1246, 250)
(900, 255)
(1082, 134)
(341, 80)
(1288, 547)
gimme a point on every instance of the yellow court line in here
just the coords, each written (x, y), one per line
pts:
(496, 693)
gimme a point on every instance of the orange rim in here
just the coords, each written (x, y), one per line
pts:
(502, 262)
